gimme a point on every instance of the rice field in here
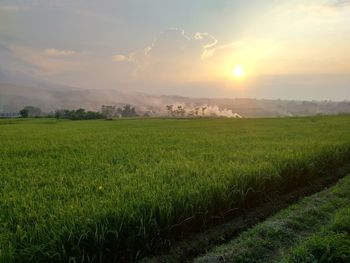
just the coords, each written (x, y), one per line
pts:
(99, 191)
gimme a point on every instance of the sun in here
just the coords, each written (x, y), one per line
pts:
(238, 71)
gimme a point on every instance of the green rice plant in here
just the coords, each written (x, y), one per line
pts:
(96, 191)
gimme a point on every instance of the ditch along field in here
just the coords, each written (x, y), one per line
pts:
(317, 229)
(111, 191)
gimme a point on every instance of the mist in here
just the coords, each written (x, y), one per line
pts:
(13, 97)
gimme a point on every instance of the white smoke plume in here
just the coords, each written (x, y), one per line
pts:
(181, 110)
(215, 111)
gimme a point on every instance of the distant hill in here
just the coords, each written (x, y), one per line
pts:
(13, 97)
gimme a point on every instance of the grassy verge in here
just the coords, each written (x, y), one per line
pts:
(313, 230)
(331, 244)
(94, 191)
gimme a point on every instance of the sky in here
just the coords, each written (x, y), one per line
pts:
(287, 49)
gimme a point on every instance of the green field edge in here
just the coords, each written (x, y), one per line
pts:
(292, 176)
(240, 220)
(316, 229)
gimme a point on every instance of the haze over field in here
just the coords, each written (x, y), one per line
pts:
(290, 50)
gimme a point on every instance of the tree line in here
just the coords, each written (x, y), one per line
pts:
(113, 111)
(79, 114)
(107, 112)
(181, 111)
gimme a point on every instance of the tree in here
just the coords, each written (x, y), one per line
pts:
(33, 111)
(181, 110)
(196, 111)
(203, 110)
(127, 111)
(30, 111)
(109, 111)
(191, 113)
(170, 109)
(79, 114)
(24, 113)
(59, 114)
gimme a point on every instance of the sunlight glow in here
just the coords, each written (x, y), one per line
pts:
(238, 71)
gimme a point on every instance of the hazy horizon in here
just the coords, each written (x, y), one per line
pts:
(295, 50)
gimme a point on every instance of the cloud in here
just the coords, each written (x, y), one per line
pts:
(83, 69)
(176, 41)
(52, 52)
(327, 7)
(340, 3)
(177, 57)
(120, 58)
(46, 62)
(173, 55)
(210, 52)
(212, 41)
(11, 8)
